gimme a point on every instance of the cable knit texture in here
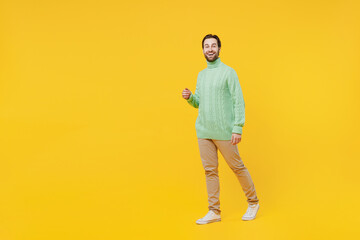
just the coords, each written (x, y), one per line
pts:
(219, 98)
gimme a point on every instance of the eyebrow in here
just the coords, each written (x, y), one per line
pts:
(208, 44)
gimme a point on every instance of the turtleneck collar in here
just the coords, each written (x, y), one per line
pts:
(213, 64)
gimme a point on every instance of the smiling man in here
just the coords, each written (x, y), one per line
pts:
(221, 118)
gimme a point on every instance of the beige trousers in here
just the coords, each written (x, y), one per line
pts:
(209, 157)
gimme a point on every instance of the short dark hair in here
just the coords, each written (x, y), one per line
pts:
(212, 36)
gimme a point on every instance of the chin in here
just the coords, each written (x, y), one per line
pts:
(211, 60)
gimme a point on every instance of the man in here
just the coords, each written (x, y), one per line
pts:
(221, 117)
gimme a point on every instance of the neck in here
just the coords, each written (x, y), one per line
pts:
(213, 64)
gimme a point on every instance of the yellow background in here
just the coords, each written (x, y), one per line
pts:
(97, 142)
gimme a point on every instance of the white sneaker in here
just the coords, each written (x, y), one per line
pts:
(209, 218)
(251, 212)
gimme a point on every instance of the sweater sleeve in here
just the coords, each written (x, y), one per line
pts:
(238, 101)
(194, 98)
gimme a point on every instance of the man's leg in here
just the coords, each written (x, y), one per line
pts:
(231, 155)
(209, 158)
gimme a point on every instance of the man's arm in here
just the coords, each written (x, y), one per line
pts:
(194, 98)
(238, 101)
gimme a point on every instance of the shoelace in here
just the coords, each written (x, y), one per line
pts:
(209, 214)
(251, 210)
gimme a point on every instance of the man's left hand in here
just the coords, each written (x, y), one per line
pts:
(235, 138)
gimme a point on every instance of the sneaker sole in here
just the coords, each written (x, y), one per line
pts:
(211, 221)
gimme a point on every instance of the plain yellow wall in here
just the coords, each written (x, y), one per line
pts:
(97, 142)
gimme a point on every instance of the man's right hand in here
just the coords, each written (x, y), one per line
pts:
(186, 93)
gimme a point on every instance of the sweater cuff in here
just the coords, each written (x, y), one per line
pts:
(190, 98)
(237, 130)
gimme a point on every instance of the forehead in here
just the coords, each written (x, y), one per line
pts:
(210, 41)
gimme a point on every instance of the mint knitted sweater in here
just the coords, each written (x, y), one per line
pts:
(220, 101)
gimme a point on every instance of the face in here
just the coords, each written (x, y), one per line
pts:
(211, 49)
